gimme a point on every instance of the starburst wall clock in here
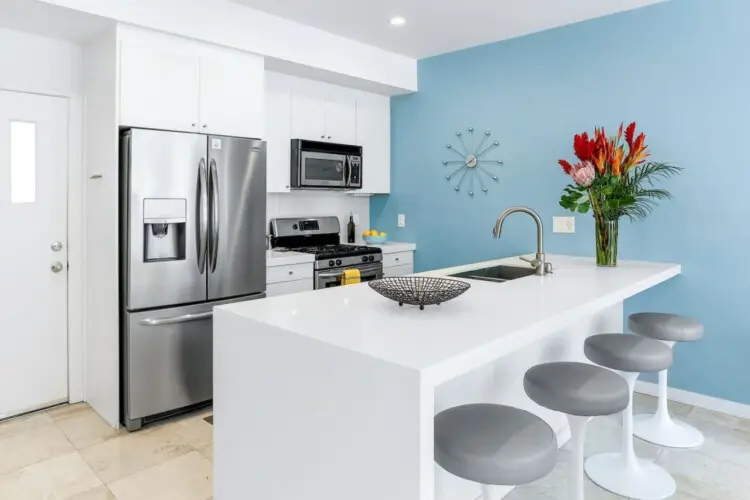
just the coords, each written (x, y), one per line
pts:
(472, 168)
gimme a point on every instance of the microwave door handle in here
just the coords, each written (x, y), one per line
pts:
(348, 164)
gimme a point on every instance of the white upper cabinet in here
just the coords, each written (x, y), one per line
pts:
(175, 84)
(159, 85)
(322, 112)
(278, 132)
(231, 93)
(341, 116)
(308, 110)
(374, 135)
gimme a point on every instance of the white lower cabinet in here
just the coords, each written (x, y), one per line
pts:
(287, 287)
(395, 271)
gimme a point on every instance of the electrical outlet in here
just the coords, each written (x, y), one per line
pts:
(564, 225)
(401, 220)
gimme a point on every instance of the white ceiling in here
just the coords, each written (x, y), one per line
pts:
(438, 26)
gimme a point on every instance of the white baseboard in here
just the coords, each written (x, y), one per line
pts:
(693, 398)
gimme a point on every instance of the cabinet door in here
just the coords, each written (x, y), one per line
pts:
(158, 85)
(308, 111)
(287, 287)
(231, 93)
(374, 135)
(395, 271)
(341, 117)
(278, 132)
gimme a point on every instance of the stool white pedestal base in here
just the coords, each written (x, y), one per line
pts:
(660, 428)
(666, 432)
(624, 473)
(638, 479)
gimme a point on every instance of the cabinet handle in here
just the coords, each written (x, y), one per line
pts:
(396, 259)
(291, 272)
(205, 126)
(322, 136)
(193, 124)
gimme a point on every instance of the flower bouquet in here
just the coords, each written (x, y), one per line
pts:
(614, 180)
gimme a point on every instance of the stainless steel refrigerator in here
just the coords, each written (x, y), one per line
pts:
(193, 216)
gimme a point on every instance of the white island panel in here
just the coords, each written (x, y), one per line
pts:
(296, 418)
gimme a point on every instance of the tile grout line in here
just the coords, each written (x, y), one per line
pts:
(83, 459)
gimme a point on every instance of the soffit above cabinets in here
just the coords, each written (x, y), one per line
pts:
(436, 26)
(30, 16)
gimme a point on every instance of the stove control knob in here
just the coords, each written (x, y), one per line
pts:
(372, 257)
(364, 259)
(338, 262)
(331, 263)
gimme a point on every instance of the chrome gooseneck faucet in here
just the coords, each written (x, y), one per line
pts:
(540, 265)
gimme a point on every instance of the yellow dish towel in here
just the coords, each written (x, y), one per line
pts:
(351, 277)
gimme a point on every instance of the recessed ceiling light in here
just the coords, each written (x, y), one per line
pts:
(398, 21)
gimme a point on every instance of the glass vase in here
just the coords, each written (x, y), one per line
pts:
(606, 242)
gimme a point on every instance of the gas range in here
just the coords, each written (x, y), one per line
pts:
(320, 237)
(332, 256)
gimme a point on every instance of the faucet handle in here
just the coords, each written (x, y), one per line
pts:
(534, 263)
(548, 268)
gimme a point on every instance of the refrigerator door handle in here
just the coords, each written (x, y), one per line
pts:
(202, 227)
(185, 318)
(214, 241)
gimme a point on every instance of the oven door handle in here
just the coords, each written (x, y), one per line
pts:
(363, 270)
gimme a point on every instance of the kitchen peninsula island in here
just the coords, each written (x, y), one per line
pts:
(330, 395)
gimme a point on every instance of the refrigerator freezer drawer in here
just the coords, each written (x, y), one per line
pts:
(168, 359)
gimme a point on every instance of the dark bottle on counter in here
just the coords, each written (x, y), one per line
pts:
(350, 229)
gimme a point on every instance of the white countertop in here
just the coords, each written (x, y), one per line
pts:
(487, 322)
(276, 258)
(395, 247)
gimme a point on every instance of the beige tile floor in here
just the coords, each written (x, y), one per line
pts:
(69, 453)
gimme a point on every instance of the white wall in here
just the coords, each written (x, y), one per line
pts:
(40, 65)
(321, 203)
(226, 23)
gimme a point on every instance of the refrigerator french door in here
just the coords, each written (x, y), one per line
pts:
(193, 213)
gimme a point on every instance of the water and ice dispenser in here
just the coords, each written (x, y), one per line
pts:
(164, 221)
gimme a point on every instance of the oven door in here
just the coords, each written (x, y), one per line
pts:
(367, 272)
(323, 170)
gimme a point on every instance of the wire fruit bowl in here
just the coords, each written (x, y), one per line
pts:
(419, 290)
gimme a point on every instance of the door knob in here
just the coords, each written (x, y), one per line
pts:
(56, 246)
(56, 267)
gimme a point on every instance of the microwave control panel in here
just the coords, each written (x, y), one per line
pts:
(355, 174)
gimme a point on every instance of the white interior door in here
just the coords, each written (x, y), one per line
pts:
(33, 254)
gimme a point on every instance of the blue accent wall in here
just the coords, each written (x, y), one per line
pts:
(681, 70)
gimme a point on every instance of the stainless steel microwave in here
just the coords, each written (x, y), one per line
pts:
(324, 165)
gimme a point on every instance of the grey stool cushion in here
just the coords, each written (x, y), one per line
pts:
(628, 353)
(662, 326)
(577, 388)
(494, 444)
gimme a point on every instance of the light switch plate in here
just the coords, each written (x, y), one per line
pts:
(564, 225)
(401, 220)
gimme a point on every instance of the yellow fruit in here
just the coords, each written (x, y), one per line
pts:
(382, 233)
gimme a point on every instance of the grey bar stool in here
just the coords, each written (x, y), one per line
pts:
(493, 444)
(659, 428)
(580, 391)
(623, 473)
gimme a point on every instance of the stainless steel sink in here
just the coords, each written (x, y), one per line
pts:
(497, 274)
